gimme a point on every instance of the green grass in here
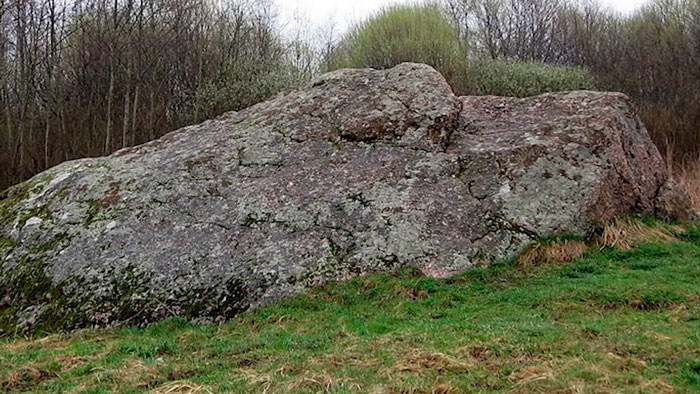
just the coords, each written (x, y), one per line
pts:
(611, 322)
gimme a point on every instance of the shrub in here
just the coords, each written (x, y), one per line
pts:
(421, 34)
(239, 87)
(513, 79)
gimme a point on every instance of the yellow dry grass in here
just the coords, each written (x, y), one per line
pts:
(625, 234)
(531, 374)
(657, 386)
(607, 375)
(419, 360)
(438, 388)
(181, 388)
(24, 377)
(49, 342)
(133, 374)
(688, 177)
(559, 251)
(336, 360)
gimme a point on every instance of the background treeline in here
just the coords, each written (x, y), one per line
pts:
(86, 77)
(526, 47)
(653, 55)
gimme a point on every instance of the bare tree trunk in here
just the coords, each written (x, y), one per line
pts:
(8, 120)
(151, 117)
(93, 145)
(127, 102)
(10, 137)
(21, 53)
(66, 66)
(110, 97)
(125, 125)
(67, 150)
(134, 111)
(197, 98)
(47, 134)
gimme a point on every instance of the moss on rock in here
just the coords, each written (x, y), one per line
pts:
(8, 200)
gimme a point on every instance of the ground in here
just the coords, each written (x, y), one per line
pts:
(610, 321)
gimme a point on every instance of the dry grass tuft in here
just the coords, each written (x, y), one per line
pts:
(479, 353)
(559, 251)
(625, 234)
(655, 336)
(419, 360)
(415, 294)
(315, 382)
(614, 370)
(619, 363)
(69, 363)
(531, 374)
(25, 378)
(657, 386)
(688, 177)
(49, 342)
(324, 382)
(335, 360)
(296, 381)
(133, 373)
(180, 388)
(443, 388)
(440, 388)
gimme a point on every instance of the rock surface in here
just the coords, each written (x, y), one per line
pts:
(362, 171)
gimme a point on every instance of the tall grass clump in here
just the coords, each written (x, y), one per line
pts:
(403, 33)
(519, 79)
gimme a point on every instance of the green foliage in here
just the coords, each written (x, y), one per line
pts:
(240, 86)
(420, 34)
(517, 79)
(614, 321)
(423, 34)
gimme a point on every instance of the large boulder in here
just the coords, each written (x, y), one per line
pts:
(362, 171)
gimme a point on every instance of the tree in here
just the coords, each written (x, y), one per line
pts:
(86, 77)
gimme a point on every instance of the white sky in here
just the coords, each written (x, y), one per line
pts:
(342, 13)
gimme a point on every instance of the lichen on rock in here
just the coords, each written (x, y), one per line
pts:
(361, 171)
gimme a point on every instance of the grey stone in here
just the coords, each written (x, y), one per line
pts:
(362, 171)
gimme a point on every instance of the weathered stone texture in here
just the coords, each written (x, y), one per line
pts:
(362, 171)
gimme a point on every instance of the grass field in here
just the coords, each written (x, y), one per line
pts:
(612, 321)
